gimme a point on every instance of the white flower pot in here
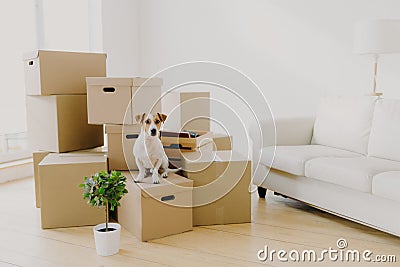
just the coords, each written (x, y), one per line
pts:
(107, 243)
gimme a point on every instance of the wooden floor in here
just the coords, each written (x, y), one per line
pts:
(277, 222)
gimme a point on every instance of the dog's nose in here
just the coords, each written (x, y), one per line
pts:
(153, 132)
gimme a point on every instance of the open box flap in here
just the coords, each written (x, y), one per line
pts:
(30, 55)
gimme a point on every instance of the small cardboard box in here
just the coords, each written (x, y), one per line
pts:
(219, 142)
(61, 200)
(151, 211)
(121, 139)
(61, 73)
(187, 111)
(221, 186)
(119, 100)
(222, 141)
(37, 156)
(59, 124)
(186, 143)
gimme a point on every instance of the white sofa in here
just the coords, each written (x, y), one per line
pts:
(345, 161)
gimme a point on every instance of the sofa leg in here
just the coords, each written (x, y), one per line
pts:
(261, 192)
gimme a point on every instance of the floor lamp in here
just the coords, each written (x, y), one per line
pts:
(376, 37)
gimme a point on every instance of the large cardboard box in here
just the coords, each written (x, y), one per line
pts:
(221, 186)
(61, 200)
(37, 156)
(59, 124)
(119, 100)
(187, 111)
(121, 139)
(61, 73)
(151, 211)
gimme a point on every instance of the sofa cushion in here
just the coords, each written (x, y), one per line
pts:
(355, 173)
(291, 159)
(344, 122)
(384, 141)
(387, 185)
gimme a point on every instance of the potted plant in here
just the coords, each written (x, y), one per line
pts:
(105, 190)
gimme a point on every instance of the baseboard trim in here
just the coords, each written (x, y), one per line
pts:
(15, 170)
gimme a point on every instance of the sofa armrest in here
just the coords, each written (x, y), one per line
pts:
(284, 132)
(288, 132)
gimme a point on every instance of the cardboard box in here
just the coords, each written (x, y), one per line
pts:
(222, 141)
(121, 139)
(151, 211)
(59, 124)
(221, 186)
(219, 142)
(61, 200)
(37, 156)
(187, 143)
(61, 73)
(187, 111)
(119, 100)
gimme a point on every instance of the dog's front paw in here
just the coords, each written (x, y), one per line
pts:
(156, 178)
(164, 174)
(139, 178)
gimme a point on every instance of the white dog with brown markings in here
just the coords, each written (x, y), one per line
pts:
(148, 149)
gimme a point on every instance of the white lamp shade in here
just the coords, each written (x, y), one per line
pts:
(377, 36)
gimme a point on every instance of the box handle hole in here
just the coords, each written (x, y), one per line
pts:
(108, 89)
(30, 63)
(168, 198)
(132, 136)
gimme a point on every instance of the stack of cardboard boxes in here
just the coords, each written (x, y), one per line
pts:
(57, 123)
(70, 100)
(115, 102)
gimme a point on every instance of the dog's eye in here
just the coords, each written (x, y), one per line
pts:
(157, 121)
(147, 121)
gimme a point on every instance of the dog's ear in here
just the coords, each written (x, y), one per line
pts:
(140, 117)
(162, 117)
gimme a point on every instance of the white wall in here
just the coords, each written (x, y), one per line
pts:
(296, 51)
(17, 28)
(65, 25)
(120, 37)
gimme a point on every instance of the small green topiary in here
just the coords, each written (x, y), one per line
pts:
(105, 189)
